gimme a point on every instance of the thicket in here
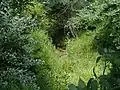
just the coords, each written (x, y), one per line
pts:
(17, 65)
(26, 29)
(61, 11)
(103, 17)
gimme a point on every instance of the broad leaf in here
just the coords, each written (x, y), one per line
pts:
(72, 87)
(81, 84)
(89, 84)
(94, 85)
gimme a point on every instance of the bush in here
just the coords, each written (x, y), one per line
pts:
(17, 66)
(61, 11)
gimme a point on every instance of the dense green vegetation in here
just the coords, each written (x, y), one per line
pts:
(59, 45)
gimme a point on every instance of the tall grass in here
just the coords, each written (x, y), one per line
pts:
(50, 73)
(64, 66)
(81, 56)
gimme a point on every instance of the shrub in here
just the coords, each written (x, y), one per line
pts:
(16, 62)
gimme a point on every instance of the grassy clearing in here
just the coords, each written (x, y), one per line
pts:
(67, 66)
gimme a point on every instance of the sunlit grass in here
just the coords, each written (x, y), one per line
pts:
(68, 65)
(81, 58)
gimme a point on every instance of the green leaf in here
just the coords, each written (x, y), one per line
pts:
(89, 83)
(72, 87)
(94, 85)
(81, 85)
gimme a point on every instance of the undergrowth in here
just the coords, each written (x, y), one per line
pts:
(64, 66)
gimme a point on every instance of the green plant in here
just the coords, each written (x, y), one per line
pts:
(50, 75)
(61, 11)
(91, 85)
(18, 5)
(37, 10)
(103, 17)
(17, 66)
